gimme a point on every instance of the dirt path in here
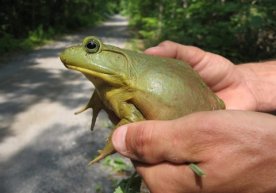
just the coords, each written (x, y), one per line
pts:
(44, 147)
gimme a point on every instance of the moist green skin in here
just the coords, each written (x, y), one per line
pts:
(133, 86)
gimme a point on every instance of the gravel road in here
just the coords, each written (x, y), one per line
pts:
(44, 147)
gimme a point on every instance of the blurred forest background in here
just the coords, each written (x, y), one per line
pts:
(241, 30)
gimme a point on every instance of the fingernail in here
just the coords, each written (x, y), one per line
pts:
(118, 139)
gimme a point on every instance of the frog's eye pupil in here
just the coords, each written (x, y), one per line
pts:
(91, 45)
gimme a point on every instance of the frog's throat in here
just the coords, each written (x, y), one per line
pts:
(108, 77)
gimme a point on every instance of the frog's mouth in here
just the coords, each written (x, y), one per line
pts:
(93, 71)
(86, 71)
(96, 71)
(105, 76)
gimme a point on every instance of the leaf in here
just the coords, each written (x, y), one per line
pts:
(129, 185)
(118, 190)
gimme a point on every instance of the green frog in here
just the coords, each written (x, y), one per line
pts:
(132, 86)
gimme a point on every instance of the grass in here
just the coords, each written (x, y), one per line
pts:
(38, 37)
(131, 181)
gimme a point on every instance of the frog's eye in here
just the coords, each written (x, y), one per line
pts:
(92, 46)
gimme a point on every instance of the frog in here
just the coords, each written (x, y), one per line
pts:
(133, 86)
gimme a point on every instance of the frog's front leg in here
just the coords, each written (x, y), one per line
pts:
(128, 114)
(96, 104)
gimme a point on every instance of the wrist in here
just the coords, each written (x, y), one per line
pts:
(261, 80)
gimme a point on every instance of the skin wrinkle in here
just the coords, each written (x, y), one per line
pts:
(194, 59)
(141, 141)
(262, 84)
(179, 141)
(213, 136)
(192, 143)
(138, 143)
(203, 139)
(259, 94)
(176, 141)
(220, 85)
(213, 83)
(166, 156)
(149, 136)
(251, 87)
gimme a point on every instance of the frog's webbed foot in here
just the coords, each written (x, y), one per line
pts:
(106, 151)
(96, 104)
(108, 148)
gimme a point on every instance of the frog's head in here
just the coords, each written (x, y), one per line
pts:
(98, 61)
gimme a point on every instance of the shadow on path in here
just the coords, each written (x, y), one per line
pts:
(43, 146)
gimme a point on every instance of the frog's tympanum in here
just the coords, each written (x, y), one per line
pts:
(133, 86)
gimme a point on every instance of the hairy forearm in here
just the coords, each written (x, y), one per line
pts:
(261, 79)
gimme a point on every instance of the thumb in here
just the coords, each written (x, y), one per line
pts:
(153, 142)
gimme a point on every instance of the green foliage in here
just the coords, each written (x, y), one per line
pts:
(99, 188)
(241, 30)
(8, 43)
(129, 185)
(37, 36)
(150, 28)
(117, 164)
(24, 24)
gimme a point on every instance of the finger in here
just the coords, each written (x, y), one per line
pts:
(157, 141)
(190, 54)
(165, 177)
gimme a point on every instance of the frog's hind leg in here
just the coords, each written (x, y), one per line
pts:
(96, 104)
(108, 148)
(128, 113)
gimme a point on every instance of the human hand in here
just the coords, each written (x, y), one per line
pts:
(237, 85)
(236, 149)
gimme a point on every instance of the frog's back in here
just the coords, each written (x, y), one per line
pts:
(168, 88)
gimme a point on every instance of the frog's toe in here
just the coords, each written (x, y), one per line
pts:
(81, 110)
(108, 150)
(97, 159)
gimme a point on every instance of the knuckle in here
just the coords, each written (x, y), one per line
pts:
(206, 134)
(141, 141)
(165, 43)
